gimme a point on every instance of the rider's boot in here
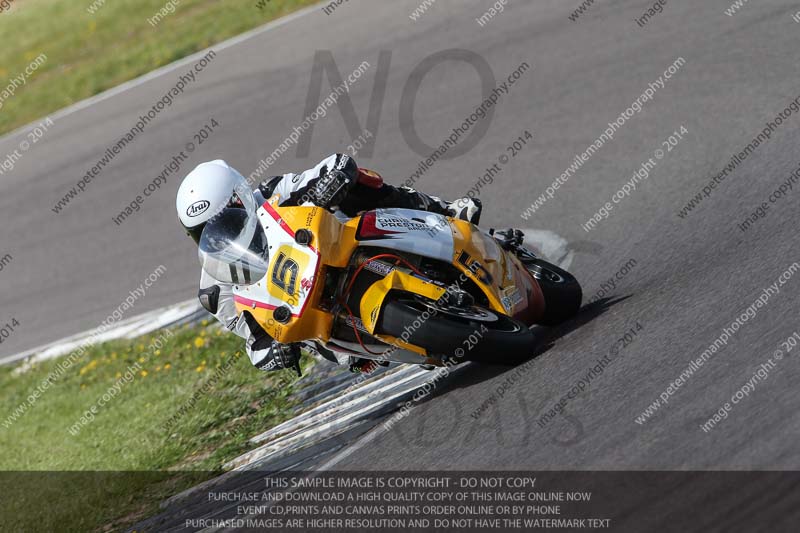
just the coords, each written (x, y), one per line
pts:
(468, 209)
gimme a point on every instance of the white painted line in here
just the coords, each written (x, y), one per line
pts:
(366, 439)
(311, 436)
(361, 394)
(126, 329)
(333, 422)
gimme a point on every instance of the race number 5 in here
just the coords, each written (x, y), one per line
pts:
(285, 273)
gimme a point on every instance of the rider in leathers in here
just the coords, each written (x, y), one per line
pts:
(335, 183)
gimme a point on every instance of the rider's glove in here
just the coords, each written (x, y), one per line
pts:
(267, 354)
(276, 356)
(331, 188)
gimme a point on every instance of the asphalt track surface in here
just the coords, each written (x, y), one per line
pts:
(692, 278)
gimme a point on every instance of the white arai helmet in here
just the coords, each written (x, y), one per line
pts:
(206, 191)
(217, 209)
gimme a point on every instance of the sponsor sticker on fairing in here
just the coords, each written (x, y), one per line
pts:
(511, 297)
(379, 268)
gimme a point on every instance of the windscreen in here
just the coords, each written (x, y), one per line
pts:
(233, 248)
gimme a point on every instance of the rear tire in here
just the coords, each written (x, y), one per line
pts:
(562, 292)
(447, 333)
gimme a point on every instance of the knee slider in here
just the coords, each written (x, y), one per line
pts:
(209, 298)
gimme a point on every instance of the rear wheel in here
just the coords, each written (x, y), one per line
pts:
(562, 292)
(467, 334)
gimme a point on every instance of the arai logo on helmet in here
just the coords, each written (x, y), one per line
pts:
(198, 208)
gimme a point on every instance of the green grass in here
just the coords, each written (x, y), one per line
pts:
(142, 428)
(89, 53)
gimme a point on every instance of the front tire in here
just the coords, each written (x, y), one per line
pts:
(562, 292)
(501, 340)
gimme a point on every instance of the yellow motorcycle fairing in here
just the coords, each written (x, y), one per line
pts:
(293, 279)
(504, 280)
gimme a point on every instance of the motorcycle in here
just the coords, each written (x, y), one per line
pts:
(405, 286)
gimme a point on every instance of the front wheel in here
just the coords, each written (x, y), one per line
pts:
(468, 334)
(562, 292)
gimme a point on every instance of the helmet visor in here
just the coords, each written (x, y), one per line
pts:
(233, 248)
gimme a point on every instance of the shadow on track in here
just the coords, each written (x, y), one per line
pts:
(471, 374)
